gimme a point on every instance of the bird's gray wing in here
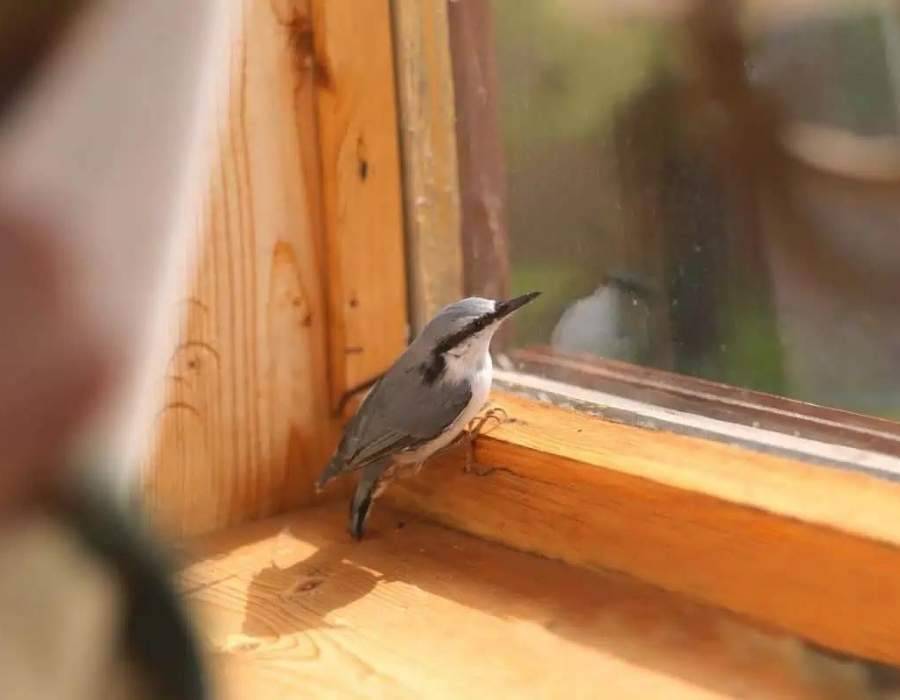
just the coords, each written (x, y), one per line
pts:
(401, 413)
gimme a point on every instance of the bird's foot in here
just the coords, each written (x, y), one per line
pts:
(476, 428)
(477, 425)
(470, 451)
(472, 465)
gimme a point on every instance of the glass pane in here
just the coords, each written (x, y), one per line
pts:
(707, 192)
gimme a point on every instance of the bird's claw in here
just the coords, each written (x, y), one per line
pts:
(476, 425)
(476, 428)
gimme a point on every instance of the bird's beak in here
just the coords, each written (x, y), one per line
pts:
(505, 308)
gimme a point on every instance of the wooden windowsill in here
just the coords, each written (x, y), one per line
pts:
(778, 540)
(715, 400)
(291, 607)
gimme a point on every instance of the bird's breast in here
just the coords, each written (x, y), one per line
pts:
(479, 382)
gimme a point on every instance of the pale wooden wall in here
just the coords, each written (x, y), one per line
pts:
(301, 287)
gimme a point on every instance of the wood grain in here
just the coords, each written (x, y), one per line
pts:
(430, 173)
(244, 427)
(779, 541)
(291, 607)
(363, 209)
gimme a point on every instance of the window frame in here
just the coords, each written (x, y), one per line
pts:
(723, 523)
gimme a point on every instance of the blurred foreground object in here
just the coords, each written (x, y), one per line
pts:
(84, 600)
(115, 164)
(97, 210)
(88, 611)
(44, 393)
(29, 31)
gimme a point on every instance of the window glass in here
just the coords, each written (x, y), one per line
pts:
(710, 192)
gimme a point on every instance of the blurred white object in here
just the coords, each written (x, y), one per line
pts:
(113, 144)
(613, 322)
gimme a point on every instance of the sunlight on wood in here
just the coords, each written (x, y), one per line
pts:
(765, 536)
(292, 606)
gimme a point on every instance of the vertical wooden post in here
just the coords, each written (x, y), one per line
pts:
(428, 141)
(361, 187)
(480, 147)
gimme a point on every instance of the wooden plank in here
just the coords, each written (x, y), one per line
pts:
(776, 540)
(291, 607)
(244, 427)
(363, 208)
(482, 165)
(428, 139)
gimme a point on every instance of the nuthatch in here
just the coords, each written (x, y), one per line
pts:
(423, 402)
(614, 322)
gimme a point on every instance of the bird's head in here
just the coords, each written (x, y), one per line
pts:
(463, 330)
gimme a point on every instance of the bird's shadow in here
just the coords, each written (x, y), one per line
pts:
(318, 573)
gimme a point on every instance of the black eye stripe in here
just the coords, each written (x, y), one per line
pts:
(436, 365)
(471, 328)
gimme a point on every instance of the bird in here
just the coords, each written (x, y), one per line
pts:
(423, 403)
(613, 322)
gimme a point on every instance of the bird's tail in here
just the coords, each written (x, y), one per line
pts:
(359, 509)
(336, 466)
(363, 497)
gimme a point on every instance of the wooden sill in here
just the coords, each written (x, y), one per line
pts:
(290, 607)
(734, 405)
(806, 549)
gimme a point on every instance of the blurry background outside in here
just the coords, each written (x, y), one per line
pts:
(707, 191)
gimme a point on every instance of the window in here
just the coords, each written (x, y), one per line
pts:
(702, 193)
(708, 200)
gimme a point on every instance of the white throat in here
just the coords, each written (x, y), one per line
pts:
(470, 358)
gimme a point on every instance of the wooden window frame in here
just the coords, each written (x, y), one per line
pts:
(767, 533)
